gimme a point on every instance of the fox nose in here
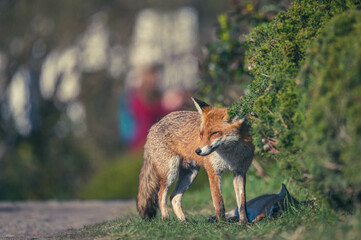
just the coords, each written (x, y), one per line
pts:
(198, 151)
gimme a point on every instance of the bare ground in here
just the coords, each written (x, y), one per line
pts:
(42, 219)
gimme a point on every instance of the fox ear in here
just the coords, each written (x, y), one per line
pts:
(200, 105)
(238, 120)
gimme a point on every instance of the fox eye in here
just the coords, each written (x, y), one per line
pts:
(201, 133)
(213, 133)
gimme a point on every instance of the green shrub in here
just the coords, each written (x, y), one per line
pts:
(42, 167)
(276, 51)
(119, 179)
(331, 80)
(116, 179)
(223, 73)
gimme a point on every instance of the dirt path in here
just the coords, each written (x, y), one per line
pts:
(37, 220)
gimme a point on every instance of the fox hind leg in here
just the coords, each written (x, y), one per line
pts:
(162, 198)
(186, 178)
(165, 183)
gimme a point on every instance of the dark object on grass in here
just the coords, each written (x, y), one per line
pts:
(268, 205)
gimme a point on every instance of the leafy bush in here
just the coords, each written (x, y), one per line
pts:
(275, 53)
(115, 179)
(223, 71)
(119, 179)
(43, 165)
(331, 80)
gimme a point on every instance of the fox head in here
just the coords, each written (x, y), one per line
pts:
(216, 130)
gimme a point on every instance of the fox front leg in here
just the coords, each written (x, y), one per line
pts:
(215, 184)
(239, 183)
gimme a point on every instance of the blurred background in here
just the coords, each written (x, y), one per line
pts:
(81, 82)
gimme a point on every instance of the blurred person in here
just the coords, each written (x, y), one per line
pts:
(140, 107)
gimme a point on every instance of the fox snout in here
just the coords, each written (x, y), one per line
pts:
(204, 151)
(198, 151)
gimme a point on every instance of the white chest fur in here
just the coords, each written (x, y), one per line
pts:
(235, 158)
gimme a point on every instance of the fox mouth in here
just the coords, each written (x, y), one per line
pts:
(200, 152)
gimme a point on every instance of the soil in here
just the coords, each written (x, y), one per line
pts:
(41, 220)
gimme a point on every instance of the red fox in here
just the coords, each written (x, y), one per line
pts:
(183, 141)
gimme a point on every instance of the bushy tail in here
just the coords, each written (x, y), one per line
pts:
(147, 198)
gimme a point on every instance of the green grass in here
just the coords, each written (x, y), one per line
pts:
(300, 224)
(319, 222)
